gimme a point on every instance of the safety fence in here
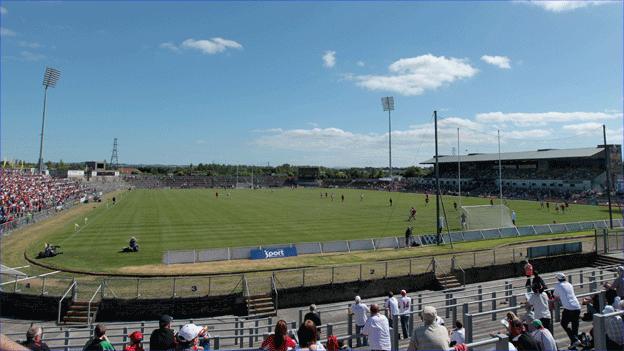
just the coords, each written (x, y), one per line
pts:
(304, 248)
(477, 306)
(262, 282)
(34, 217)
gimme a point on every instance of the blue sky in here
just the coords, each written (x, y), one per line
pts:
(301, 82)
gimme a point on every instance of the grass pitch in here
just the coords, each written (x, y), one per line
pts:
(197, 219)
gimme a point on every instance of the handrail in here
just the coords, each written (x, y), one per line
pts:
(90, 301)
(71, 286)
(245, 287)
(274, 286)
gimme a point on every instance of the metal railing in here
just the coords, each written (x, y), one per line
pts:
(71, 288)
(89, 316)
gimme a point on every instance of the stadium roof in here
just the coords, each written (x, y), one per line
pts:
(522, 155)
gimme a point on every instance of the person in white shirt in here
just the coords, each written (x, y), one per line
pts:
(458, 334)
(543, 338)
(539, 302)
(404, 309)
(392, 308)
(378, 330)
(359, 310)
(564, 292)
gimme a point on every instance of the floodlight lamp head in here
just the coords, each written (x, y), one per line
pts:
(50, 77)
(387, 103)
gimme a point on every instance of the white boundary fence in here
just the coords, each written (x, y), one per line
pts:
(238, 253)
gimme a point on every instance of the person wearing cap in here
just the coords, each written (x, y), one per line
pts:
(542, 336)
(377, 330)
(313, 316)
(564, 292)
(404, 309)
(188, 338)
(136, 338)
(33, 339)
(359, 311)
(614, 328)
(539, 301)
(431, 336)
(163, 339)
(392, 308)
(99, 341)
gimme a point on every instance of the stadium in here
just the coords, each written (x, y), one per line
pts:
(330, 248)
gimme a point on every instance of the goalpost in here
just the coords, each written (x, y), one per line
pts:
(487, 216)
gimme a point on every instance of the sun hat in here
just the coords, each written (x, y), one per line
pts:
(188, 332)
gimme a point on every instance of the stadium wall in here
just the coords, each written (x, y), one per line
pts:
(24, 306)
(151, 309)
(223, 254)
(542, 265)
(301, 296)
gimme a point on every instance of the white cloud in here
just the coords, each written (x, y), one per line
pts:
(543, 118)
(6, 32)
(206, 46)
(584, 128)
(329, 59)
(414, 75)
(200, 141)
(3, 10)
(30, 45)
(169, 46)
(565, 5)
(31, 56)
(360, 63)
(498, 61)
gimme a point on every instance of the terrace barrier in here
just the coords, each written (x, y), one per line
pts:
(235, 253)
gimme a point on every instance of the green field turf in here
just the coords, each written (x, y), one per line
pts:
(195, 219)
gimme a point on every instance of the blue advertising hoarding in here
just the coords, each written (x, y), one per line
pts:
(261, 254)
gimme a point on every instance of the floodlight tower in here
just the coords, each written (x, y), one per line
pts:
(50, 77)
(388, 105)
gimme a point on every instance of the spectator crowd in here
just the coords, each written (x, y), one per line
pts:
(23, 194)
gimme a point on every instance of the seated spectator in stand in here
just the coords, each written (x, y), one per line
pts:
(431, 336)
(308, 337)
(99, 341)
(543, 337)
(377, 330)
(136, 338)
(163, 339)
(618, 283)
(539, 302)
(33, 339)
(458, 334)
(279, 341)
(520, 338)
(615, 329)
(313, 316)
(188, 338)
(10, 345)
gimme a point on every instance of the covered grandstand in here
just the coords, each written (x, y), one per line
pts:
(571, 170)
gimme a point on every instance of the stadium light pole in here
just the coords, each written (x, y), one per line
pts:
(437, 175)
(388, 105)
(500, 179)
(50, 77)
(458, 168)
(608, 172)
